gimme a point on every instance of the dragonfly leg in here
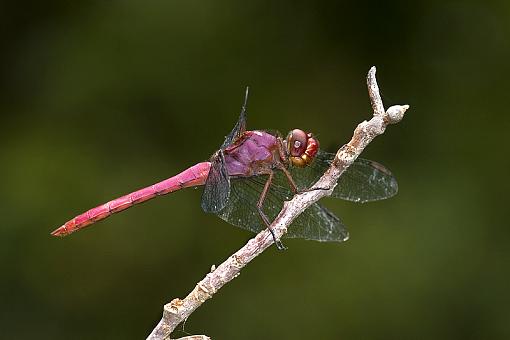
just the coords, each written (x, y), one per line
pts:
(292, 184)
(283, 163)
(281, 150)
(263, 216)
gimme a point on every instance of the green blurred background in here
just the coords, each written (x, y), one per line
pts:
(101, 98)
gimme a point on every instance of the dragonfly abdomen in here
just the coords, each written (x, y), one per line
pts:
(193, 176)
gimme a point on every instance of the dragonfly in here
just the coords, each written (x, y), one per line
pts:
(249, 178)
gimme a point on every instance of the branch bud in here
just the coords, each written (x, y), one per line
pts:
(395, 113)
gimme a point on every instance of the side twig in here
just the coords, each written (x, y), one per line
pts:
(179, 310)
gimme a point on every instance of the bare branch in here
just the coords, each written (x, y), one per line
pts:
(373, 93)
(179, 310)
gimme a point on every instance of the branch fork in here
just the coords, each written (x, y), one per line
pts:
(179, 310)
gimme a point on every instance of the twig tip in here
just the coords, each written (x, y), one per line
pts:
(396, 113)
(371, 72)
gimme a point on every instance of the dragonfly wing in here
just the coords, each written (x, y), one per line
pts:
(217, 186)
(240, 126)
(319, 224)
(315, 223)
(241, 209)
(364, 181)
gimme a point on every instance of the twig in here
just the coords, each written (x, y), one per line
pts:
(179, 310)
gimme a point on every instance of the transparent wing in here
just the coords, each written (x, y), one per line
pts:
(240, 126)
(364, 181)
(315, 223)
(217, 186)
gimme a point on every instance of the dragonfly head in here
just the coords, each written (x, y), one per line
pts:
(301, 147)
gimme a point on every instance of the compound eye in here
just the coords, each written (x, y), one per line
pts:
(297, 142)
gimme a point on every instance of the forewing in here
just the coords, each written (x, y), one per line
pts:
(217, 186)
(315, 223)
(364, 181)
(240, 126)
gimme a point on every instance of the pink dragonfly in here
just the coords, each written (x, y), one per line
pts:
(247, 180)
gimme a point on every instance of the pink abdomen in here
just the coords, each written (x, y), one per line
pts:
(193, 176)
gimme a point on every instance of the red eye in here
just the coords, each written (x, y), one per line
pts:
(297, 142)
(301, 147)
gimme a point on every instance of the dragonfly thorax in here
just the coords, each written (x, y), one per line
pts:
(301, 147)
